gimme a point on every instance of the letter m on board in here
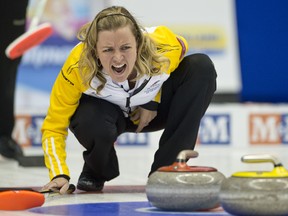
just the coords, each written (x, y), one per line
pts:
(215, 129)
(265, 128)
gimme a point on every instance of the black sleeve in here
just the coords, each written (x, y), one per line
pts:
(152, 105)
(63, 176)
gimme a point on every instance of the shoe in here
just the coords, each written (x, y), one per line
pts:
(9, 148)
(87, 183)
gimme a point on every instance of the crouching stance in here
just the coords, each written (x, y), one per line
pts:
(124, 78)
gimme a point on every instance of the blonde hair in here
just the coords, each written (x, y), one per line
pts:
(148, 61)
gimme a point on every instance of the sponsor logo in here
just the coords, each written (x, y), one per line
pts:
(268, 128)
(205, 38)
(153, 87)
(46, 55)
(27, 130)
(215, 129)
(52, 52)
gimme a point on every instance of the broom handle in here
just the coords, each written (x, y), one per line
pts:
(39, 11)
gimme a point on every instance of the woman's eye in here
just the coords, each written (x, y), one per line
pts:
(107, 50)
(126, 47)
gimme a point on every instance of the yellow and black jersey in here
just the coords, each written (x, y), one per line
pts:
(69, 87)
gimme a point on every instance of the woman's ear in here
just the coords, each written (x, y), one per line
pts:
(98, 62)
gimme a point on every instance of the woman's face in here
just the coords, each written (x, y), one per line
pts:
(117, 51)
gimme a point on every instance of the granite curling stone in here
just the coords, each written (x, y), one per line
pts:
(180, 187)
(263, 193)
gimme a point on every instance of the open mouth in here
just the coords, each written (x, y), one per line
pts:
(119, 68)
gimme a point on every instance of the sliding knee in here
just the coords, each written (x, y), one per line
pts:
(202, 65)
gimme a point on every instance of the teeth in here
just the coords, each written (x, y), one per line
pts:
(118, 66)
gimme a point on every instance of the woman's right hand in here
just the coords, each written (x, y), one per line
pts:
(143, 117)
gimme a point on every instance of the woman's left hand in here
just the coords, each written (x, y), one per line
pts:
(143, 116)
(58, 184)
